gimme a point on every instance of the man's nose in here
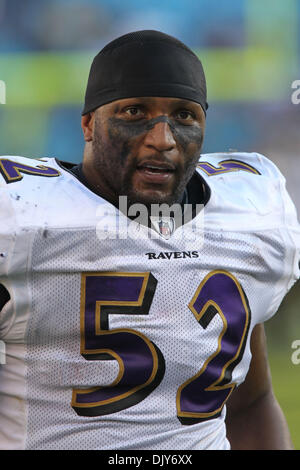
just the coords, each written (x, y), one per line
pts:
(160, 137)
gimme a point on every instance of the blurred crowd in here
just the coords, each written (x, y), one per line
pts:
(42, 25)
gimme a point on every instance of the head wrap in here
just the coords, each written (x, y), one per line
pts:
(145, 63)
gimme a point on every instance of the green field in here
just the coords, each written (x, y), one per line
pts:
(286, 384)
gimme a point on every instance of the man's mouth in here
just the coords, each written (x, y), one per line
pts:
(156, 172)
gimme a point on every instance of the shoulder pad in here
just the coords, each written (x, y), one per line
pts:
(214, 164)
(13, 169)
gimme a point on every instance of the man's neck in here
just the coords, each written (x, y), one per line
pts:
(196, 194)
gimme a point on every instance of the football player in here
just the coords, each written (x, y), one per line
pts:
(129, 332)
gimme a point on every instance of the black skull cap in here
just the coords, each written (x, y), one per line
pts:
(145, 63)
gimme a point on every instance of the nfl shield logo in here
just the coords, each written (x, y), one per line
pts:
(164, 226)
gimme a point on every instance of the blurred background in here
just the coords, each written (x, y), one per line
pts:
(250, 52)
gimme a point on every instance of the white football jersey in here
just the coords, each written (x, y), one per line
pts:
(120, 337)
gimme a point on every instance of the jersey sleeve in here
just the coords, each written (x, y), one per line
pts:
(263, 207)
(291, 238)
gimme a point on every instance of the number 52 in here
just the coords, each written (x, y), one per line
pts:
(141, 363)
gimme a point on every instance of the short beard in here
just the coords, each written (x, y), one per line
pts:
(175, 197)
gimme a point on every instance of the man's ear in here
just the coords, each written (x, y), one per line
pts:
(87, 124)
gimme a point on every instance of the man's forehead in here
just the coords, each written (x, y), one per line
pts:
(152, 101)
(156, 100)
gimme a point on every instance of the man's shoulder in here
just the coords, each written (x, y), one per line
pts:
(14, 169)
(227, 163)
(35, 192)
(249, 189)
(30, 187)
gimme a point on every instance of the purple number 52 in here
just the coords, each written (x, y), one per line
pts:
(142, 364)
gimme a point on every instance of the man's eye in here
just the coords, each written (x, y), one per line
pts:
(133, 111)
(185, 115)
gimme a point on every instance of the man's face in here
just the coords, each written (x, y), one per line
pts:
(147, 148)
